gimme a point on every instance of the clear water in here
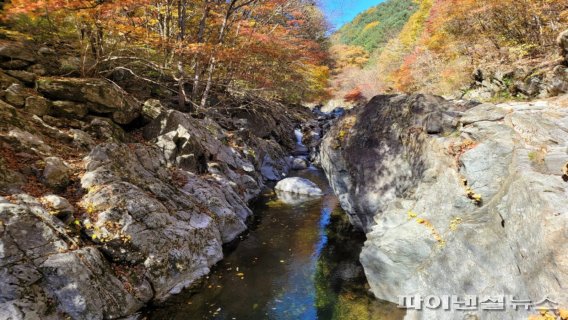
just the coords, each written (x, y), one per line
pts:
(298, 261)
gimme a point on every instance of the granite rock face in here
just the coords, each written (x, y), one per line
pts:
(106, 204)
(456, 199)
(101, 96)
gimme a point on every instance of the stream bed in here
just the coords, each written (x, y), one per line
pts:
(299, 260)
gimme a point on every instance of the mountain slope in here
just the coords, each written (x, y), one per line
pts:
(508, 46)
(373, 28)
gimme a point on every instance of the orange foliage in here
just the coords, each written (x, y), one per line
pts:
(444, 40)
(263, 45)
(354, 95)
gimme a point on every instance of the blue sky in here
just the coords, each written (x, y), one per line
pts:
(341, 11)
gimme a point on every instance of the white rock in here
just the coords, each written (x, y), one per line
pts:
(299, 186)
(59, 204)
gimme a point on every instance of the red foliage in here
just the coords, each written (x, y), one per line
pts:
(354, 95)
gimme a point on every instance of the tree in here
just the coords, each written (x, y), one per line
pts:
(204, 44)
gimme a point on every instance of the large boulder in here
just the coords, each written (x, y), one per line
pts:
(43, 278)
(105, 129)
(472, 210)
(30, 141)
(27, 77)
(167, 222)
(152, 109)
(10, 50)
(84, 286)
(190, 143)
(359, 156)
(101, 96)
(59, 207)
(300, 186)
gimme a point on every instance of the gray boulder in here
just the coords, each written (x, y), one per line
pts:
(84, 286)
(169, 222)
(356, 150)
(299, 186)
(82, 139)
(59, 207)
(43, 278)
(32, 142)
(100, 95)
(190, 143)
(58, 204)
(105, 129)
(10, 50)
(56, 173)
(69, 109)
(16, 95)
(299, 164)
(24, 76)
(471, 212)
(37, 105)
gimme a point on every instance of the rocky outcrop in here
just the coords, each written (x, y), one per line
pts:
(107, 204)
(126, 224)
(547, 79)
(456, 198)
(101, 96)
(140, 217)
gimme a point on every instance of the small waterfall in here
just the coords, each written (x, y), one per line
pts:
(299, 136)
(301, 150)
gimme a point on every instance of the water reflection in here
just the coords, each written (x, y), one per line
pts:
(298, 261)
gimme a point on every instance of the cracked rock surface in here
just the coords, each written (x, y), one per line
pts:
(106, 205)
(477, 206)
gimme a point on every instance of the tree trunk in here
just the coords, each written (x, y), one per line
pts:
(182, 96)
(213, 61)
(200, 39)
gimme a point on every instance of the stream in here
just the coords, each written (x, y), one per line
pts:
(298, 260)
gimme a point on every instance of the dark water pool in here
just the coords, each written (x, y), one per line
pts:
(298, 261)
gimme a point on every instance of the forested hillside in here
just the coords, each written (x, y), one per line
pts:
(274, 48)
(509, 45)
(373, 28)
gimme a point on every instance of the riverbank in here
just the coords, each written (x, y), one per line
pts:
(108, 202)
(299, 260)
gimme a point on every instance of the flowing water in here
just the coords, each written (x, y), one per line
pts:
(299, 260)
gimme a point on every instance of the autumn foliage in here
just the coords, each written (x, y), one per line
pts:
(354, 95)
(443, 41)
(275, 48)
